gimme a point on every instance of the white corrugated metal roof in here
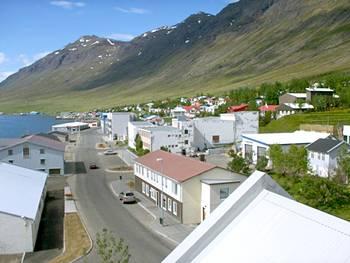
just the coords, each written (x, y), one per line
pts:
(70, 124)
(298, 95)
(20, 190)
(273, 228)
(297, 137)
(258, 222)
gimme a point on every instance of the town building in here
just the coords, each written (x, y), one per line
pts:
(260, 222)
(114, 125)
(322, 156)
(34, 152)
(166, 137)
(185, 188)
(346, 133)
(22, 196)
(186, 128)
(70, 127)
(286, 109)
(268, 108)
(61, 136)
(236, 108)
(133, 130)
(292, 98)
(317, 90)
(177, 112)
(255, 146)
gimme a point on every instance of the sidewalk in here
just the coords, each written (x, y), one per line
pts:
(148, 214)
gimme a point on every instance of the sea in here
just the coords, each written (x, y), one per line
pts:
(15, 126)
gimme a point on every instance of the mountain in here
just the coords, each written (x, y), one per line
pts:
(246, 44)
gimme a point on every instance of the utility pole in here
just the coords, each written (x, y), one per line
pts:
(161, 214)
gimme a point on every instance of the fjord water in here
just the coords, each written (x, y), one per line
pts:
(14, 126)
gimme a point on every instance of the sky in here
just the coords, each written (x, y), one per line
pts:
(31, 29)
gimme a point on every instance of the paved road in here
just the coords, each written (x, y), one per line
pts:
(100, 209)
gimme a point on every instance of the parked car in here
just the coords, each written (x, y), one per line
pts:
(93, 166)
(110, 152)
(127, 197)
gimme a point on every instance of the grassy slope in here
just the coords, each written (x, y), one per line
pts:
(292, 122)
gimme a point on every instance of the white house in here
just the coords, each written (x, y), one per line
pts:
(115, 125)
(133, 130)
(70, 127)
(259, 222)
(257, 145)
(322, 156)
(186, 128)
(286, 109)
(177, 112)
(154, 138)
(22, 196)
(346, 133)
(214, 132)
(185, 188)
(34, 152)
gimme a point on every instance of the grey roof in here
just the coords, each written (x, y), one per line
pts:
(220, 181)
(35, 139)
(59, 133)
(48, 135)
(324, 145)
(141, 123)
(161, 128)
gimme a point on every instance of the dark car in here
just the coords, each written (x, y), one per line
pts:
(93, 166)
(127, 197)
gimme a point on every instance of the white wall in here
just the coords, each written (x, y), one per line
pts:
(117, 125)
(16, 235)
(322, 164)
(206, 128)
(133, 130)
(154, 178)
(53, 159)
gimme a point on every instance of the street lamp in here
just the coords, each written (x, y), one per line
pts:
(161, 213)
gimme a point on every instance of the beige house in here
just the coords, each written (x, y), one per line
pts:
(184, 188)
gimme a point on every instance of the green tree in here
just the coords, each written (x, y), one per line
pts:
(110, 249)
(261, 163)
(343, 169)
(138, 143)
(278, 159)
(238, 164)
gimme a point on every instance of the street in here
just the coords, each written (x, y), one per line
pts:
(99, 208)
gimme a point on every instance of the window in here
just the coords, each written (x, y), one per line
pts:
(26, 152)
(175, 208)
(224, 193)
(169, 204)
(153, 194)
(42, 161)
(319, 156)
(186, 141)
(147, 189)
(312, 155)
(345, 138)
(143, 187)
(174, 188)
(10, 152)
(216, 139)
(323, 156)
(10, 161)
(168, 135)
(261, 152)
(186, 131)
(42, 151)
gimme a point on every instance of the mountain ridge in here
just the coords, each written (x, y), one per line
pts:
(246, 43)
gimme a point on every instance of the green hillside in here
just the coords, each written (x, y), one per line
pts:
(248, 43)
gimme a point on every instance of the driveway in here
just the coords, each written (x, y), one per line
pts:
(100, 209)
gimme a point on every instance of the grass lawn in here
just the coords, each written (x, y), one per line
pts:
(292, 122)
(318, 193)
(77, 242)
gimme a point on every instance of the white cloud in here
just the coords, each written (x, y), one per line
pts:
(132, 10)
(2, 57)
(67, 4)
(28, 60)
(5, 74)
(121, 36)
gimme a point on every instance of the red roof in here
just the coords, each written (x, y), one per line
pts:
(177, 167)
(236, 108)
(268, 108)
